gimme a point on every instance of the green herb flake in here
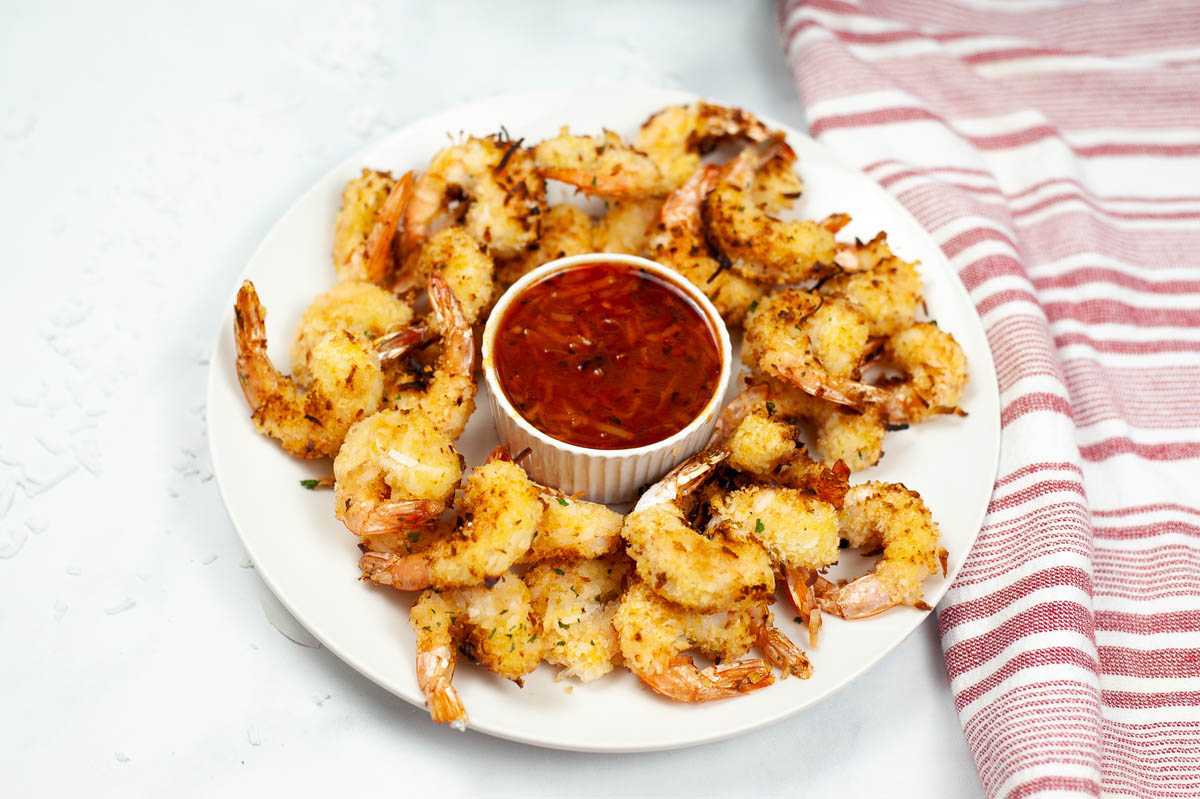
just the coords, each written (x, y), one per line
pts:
(563, 502)
(770, 408)
(798, 620)
(414, 537)
(559, 572)
(564, 626)
(492, 634)
(504, 611)
(758, 526)
(311, 485)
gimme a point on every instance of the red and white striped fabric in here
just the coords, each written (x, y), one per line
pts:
(1053, 151)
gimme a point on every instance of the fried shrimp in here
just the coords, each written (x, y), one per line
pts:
(678, 242)
(675, 137)
(935, 370)
(494, 626)
(465, 266)
(395, 474)
(796, 529)
(500, 511)
(372, 205)
(839, 433)
(885, 287)
(601, 165)
(813, 343)
(626, 226)
(497, 180)
(894, 518)
(345, 383)
(565, 230)
(759, 246)
(700, 572)
(449, 397)
(576, 601)
(572, 528)
(654, 633)
(357, 306)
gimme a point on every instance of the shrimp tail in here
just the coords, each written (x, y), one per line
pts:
(378, 248)
(435, 670)
(857, 599)
(683, 682)
(784, 653)
(405, 572)
(369, 518)
(804, 598)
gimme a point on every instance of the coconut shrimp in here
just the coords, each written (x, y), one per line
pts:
(935, 373)
(894, 518)
(573, 528)
(796, 529)
(678, 242)
(357, 306)
(627, 225)
(839, 434)
(700, 572)
(885, 287)
(813, 343)
(495, 626)
(372, 205)
(776, 187)
(565, 230)
(394, 475)
(654, 633)
(499, 514)
(465, 266)
(498, 180)
(576, 601)
(760, 246)
(449, 397)
(601, 165)
(675, 137)
(345, 383)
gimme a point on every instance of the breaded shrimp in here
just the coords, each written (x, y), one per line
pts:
(600, 165)
(893, 517)
(465, 266)
(885, 287)
(345, 383)
(372, 205)
(840, 433)
(573, 528)
(697, 571)
(498, 180)
(395, 474)
(797, 530)
(449, 397)
(654, 633)
(565, 230)
(576, 601)
(675, 137)
(627, 225)
(678, 242)
(935, 370)
(356, 306)
(761, 247)
(500, 511)
(814, 343)
(495, 626)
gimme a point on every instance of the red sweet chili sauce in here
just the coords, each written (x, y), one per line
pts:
(606, 356)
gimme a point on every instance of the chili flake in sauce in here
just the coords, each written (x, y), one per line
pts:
(606, 356)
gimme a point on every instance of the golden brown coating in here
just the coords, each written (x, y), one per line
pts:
(601, 165)
(464, 265)
(565, 230)
(365, 225)
(345, 383)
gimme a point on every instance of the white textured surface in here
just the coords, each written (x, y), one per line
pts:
(144, 151)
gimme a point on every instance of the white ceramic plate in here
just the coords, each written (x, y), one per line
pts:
(310, 561)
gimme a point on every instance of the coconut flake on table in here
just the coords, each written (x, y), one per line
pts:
(16, 539)
(37, 524)
(60, 609)
(124, 605)
(209, 559)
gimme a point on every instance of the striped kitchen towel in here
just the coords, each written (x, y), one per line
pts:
(1053, 151)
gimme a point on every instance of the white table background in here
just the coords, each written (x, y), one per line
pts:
(145, 149)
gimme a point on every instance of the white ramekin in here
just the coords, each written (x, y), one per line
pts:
(603, 475)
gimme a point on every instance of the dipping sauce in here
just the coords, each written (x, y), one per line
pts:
(606, 356)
